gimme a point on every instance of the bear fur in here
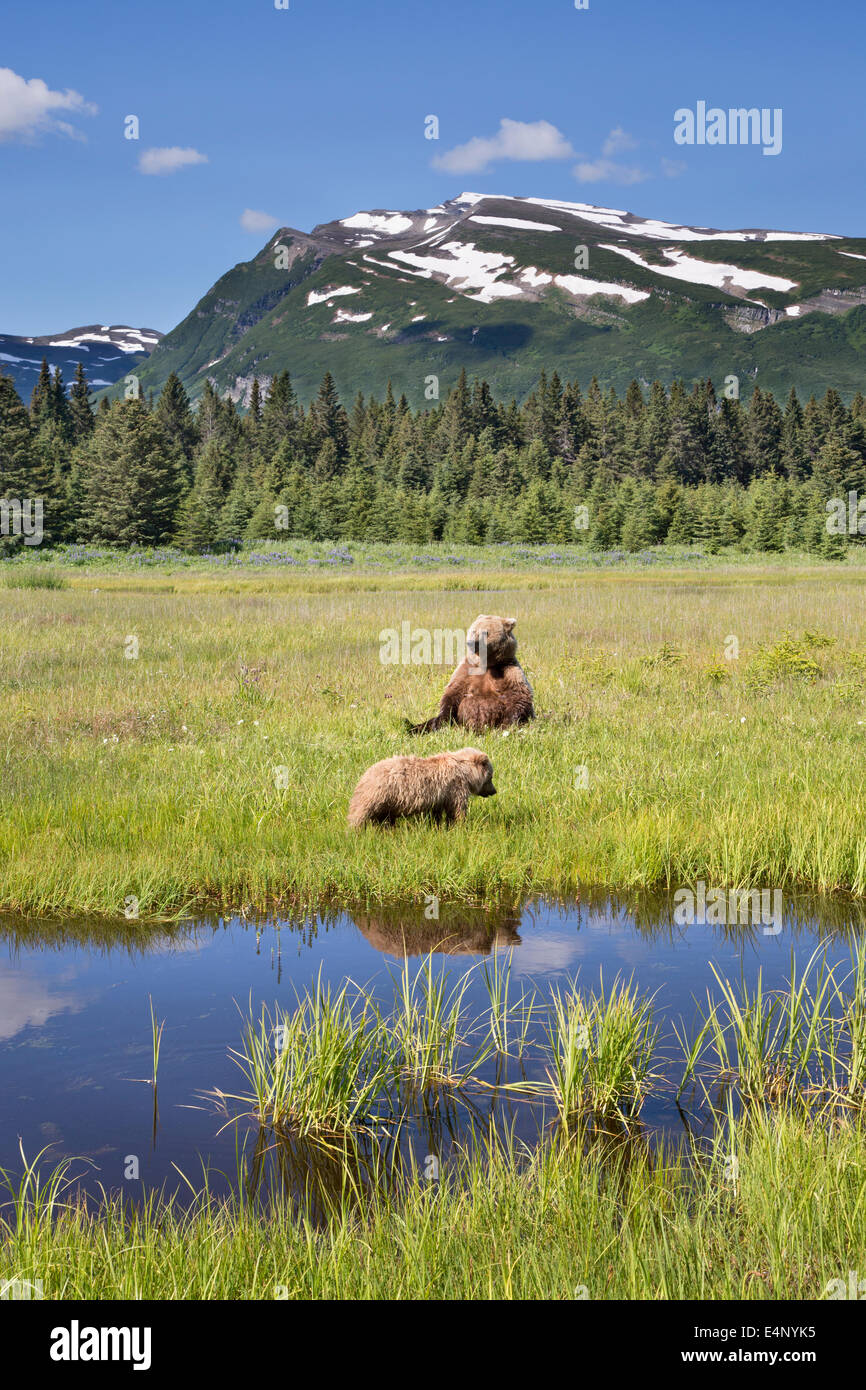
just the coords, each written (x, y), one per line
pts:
(489, 689)
(408, 786)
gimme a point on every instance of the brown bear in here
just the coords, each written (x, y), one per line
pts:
(488, 690)
(408, 786)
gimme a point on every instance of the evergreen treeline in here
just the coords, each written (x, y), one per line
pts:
(678, 466)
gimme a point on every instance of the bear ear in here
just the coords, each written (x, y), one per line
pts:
(509, 624)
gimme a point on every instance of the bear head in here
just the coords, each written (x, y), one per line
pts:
(478, 771)
(490, 641)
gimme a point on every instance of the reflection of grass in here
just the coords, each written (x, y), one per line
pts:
(773, 1208)
(157, 777)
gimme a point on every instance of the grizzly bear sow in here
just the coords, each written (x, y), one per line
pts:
(408, 786)
(488, 689)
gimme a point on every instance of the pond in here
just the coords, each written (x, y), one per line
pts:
(75, 1023)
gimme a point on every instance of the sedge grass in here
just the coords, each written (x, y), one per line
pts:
(432, 1041)
(770, 1202)
(601, 1048)
(802, 1045)
(316, 1072)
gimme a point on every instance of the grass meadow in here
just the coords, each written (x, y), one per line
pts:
(189, 737)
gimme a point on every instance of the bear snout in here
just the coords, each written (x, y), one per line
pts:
(489, 790)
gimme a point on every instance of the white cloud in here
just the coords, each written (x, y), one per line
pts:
(168, 160)
(28, 108)
(672, 168)
(617, 141)
(608, 171)
(253, 221)
(514, 140)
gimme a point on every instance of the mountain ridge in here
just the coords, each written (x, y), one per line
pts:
(505, 286)
(106, 351)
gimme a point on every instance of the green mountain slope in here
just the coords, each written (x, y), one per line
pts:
(507, 286)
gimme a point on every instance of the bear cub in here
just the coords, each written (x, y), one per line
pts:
(408, 786)
(489, 689)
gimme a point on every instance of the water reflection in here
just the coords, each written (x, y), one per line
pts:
(75, 1023)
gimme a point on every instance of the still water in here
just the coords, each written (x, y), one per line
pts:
(75, 1029)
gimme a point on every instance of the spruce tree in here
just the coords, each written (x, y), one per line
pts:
(328, 420)
(174, 413)
(280, 418)
(132, 478)
(41, 397)
(80, 408)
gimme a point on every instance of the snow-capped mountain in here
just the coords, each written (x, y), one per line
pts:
(505, 285)
(107, 352)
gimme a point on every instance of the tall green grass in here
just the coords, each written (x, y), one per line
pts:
(498, 1225)
(803, 1045)
(601, 1048)
(317, 1071)
(33, 577)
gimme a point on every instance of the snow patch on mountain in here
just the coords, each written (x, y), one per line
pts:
(535, 277)
(578, 285)
(387, 223)
(117, 335)
(718, 275)
(619, 220)
(514, 222)
(321, 297)
(467, 268)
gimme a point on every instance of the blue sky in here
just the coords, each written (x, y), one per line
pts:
(314, 112)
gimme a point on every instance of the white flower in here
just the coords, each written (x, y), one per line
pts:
(742, 719)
